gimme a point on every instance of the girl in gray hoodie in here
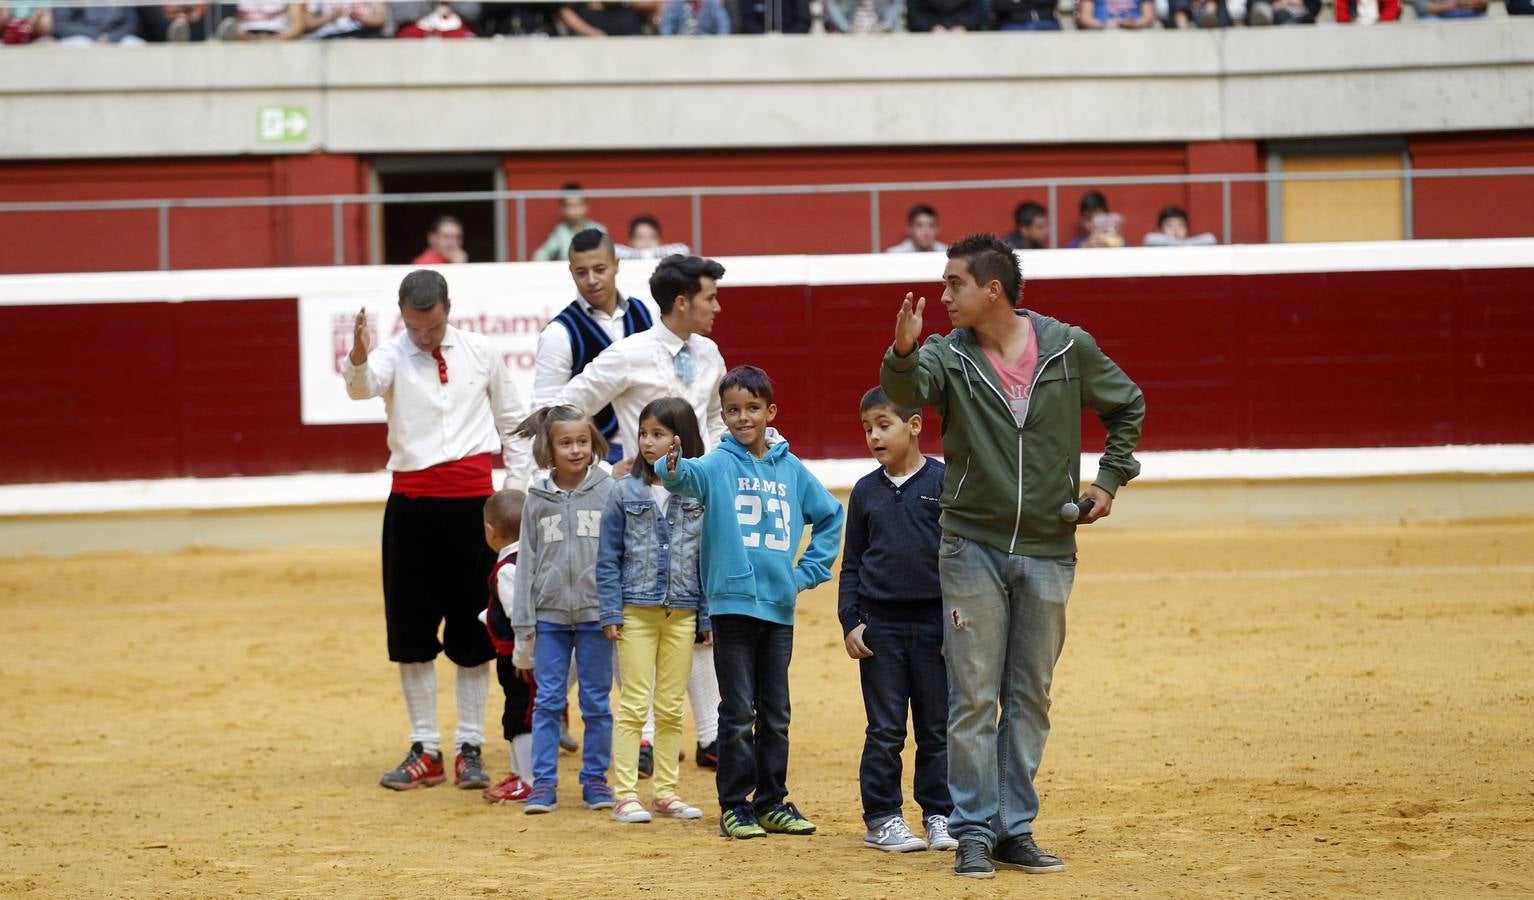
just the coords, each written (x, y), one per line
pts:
(555, 613)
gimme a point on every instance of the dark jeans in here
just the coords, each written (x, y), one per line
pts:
(906, 670)
(751, 659)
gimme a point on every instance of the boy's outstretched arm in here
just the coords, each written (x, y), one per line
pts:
(685, 477)
(824, 514)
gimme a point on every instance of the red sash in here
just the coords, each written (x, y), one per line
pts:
(467, 477)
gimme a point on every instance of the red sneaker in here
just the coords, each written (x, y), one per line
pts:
(469, 768)
(510, 789)
(418, 768)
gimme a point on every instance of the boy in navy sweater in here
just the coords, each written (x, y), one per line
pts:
(891, 610)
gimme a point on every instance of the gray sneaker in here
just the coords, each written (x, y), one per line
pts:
(938, 837)
(893, 835)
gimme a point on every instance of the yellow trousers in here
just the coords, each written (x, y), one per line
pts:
(654, 654)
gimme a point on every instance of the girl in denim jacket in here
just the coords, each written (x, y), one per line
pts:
(651, 593)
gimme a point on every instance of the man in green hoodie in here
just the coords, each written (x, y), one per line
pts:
(1010, 385)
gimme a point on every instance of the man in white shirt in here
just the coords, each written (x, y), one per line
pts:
(591, 323)
(451, 408)
(673, 359)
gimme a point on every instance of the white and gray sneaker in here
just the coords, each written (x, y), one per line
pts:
(938, 837)
(893, 835)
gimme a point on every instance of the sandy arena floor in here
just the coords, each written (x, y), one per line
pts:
(1302, 712)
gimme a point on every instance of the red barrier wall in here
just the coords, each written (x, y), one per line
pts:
(1367, 359)
(732, 226)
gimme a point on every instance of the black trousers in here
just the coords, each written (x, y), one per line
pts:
(907, 671)
(751, 659)
(517, 717)
(435, 565)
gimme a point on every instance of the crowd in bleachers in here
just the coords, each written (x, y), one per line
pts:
(252, 20)
(1097, 227)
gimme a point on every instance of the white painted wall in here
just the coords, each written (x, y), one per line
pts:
(802, 91)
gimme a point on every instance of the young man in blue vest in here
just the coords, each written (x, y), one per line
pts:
(598, 317)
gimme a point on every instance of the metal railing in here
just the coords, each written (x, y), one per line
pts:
(874, 191)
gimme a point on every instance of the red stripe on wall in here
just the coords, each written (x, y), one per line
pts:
(1370, 359)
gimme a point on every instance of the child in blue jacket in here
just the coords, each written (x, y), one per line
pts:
(758, 496)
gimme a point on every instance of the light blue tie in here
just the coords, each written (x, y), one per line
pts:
(683, 362)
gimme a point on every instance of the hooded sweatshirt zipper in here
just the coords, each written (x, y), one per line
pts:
(1038, 373)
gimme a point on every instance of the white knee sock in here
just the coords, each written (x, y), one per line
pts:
(703, 690)
(473, 694)
(419, 681)
(522, 757)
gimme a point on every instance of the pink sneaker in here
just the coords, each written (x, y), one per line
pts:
(674, 807)
(510, 789)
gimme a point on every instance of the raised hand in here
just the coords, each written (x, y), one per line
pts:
(908, 325)
(674, 456)
(360, 338)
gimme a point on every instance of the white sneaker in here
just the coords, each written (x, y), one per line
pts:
(893, 835)
(938, 837)
(675, 807)
(629, 809)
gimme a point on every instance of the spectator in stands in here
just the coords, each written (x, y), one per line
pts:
(23, 23)
(1172, 230)
(1520, 7)
(1203, 13)
(688, 17)
(645, 241)
(945, 15)
(518, 19)
(1450, 9)
(426, 19)
(1098, 227)
(920, 232)
(174, 22)
(444, 244)
(83, 26)
(863, 16)
(788, 16)
(1031, 231)
(604, 19)
(1285, 12)
(1368, 12)
(271, 21)
(1024, 15)
(1100, 15)
(573, 208)
(346, 20)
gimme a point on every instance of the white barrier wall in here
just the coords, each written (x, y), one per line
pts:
(791, 91)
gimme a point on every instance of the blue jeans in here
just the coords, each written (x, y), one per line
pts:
(1035, 25)
(551, 670)
(906, 671)
(1003, 627)
(751, 659)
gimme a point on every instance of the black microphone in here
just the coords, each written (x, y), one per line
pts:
(1075, 509)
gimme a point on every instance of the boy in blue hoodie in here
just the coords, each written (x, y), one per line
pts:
(758, 498)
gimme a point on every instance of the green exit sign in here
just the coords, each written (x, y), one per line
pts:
(282, 124)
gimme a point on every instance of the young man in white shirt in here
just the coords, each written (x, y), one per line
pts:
(599, 316)
(451, 407)
(673, 359)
